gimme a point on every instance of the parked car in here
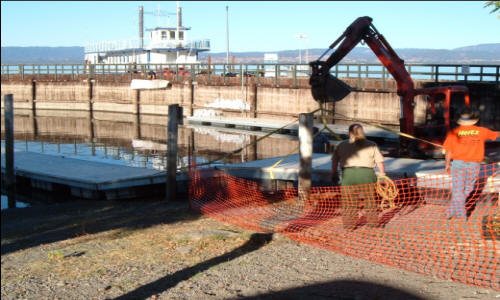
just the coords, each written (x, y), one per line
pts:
(253, 73)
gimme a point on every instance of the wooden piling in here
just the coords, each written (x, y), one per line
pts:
(305, 156)
(90, 94)
(33, 97)
(253, 103)
(191, 98)
(9, 150)
(137, 111)
(174, 119)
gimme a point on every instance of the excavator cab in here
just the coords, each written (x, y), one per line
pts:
(439, 117)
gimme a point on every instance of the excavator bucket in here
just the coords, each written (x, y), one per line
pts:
(330, 89)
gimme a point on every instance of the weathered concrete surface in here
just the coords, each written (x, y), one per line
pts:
(266, 99)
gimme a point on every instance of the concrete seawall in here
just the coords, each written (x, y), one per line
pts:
(263, 99)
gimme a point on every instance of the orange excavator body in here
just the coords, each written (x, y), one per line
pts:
(327, 88)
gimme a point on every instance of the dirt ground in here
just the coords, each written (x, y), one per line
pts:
(157, 250)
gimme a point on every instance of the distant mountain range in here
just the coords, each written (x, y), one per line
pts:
(479, 54)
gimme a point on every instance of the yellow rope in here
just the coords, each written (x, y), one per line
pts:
(246, 146)
(271, 171)
(409, 136)
(387, 190)
(323, 119)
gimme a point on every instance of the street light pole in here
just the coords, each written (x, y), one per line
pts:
(306, 37)
(227, 35)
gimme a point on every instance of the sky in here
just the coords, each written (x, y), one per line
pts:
(253, 25)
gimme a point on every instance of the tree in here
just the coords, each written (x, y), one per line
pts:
(495, 5)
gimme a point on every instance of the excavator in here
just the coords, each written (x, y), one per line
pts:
(327, 88)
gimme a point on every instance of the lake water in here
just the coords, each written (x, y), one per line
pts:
(112, 140)
(18, 204)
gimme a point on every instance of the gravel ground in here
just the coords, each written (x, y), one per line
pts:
(154, 250)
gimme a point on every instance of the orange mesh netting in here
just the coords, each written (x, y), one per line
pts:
(410, 231)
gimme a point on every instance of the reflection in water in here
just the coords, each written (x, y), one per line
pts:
(18, 204)
(120, 139)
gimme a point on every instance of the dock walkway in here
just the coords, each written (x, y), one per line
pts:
(273, 124)
(288, 169)
(97, 180)
(85, 178)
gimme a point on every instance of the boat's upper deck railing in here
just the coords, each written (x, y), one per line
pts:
(121, 45)
(200, 45)
(361, 72)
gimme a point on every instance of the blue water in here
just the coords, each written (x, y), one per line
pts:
(18, 204)
(98, 152)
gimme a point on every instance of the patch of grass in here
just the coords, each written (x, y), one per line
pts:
(183, 241)
(55, 255)
(218, 237)
(202, 245)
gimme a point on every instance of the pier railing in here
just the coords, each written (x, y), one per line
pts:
(426, 72)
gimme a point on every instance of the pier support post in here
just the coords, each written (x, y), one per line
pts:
(33, 97)
(137, 112)
(91, 93)
(253, 103)
(191, 97)
(9, 150)
(137, 101)
(33, 108)
(330, 115)
(91, 130)
(305, 156)
(174, 119)
(253, 149)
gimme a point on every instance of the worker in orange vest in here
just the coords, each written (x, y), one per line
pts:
(464, 152)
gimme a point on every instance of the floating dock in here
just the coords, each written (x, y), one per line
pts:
(257, 124)
(86, 179)
(98, 180)
(288, 169)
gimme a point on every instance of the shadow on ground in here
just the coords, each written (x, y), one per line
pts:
(256, 241)
(23, 228)
(340, 289)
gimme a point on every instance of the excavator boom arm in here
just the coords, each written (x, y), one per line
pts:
(327, 88)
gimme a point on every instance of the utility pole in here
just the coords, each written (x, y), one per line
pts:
(305, 37)
(227, 36)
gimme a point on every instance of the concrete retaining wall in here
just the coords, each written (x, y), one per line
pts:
(283, 101)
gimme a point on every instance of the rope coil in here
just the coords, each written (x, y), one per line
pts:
(387, 190)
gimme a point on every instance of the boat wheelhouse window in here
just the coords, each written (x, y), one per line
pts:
(181, 35)
(172, 35)
(163, 35)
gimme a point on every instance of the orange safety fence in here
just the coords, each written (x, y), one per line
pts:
(410, 231)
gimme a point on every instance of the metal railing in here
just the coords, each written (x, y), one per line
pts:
(426, 72)
(121, 45)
